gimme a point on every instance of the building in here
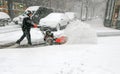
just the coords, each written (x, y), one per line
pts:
(112, 14)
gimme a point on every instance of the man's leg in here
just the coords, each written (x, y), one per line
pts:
(21, 38)
(28, 37)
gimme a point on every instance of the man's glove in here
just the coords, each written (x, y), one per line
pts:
(35, 26)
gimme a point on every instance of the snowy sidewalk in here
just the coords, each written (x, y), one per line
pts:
(9, 28)
(98, 25)
(104, 31)
(64, 59)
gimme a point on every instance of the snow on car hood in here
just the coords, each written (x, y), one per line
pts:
(4, 15)
(55, 17)
(52, 19)
(49, 22)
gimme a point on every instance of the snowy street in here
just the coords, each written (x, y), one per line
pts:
(101, 58)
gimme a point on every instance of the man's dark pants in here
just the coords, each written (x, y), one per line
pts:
(26, 33)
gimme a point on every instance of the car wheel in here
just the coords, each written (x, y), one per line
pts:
(58, 27)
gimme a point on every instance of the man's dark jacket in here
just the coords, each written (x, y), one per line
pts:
(27, 23)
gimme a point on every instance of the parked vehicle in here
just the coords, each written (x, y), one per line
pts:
(55, 21)
(4, 19)
(38, 13)
(19, 19)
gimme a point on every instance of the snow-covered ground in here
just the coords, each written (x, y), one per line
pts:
(100, 58)
(9, 28)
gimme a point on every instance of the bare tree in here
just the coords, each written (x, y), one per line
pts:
(10, 8)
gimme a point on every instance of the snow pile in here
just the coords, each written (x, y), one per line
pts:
(4, 15)
(79, 32)
(96, 22)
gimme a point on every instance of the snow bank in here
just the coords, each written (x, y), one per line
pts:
(79, 32)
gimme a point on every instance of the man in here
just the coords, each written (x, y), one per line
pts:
(27, 24)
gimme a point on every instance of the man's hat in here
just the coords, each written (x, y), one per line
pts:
(28, 12)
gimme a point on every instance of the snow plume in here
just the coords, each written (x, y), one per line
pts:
(96, 22)
(79, 32)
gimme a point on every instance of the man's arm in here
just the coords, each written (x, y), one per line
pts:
(32, 24)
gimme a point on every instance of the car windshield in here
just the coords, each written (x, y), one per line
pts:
(26, 13)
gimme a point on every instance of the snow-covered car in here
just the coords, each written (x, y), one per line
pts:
(19, 19)
(55, 21)
(4, 19)
(71, 15)
(38, 12)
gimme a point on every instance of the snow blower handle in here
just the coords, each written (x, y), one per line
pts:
(35, 26)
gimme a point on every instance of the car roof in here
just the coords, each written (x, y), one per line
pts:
(55, 14)
(32, 8)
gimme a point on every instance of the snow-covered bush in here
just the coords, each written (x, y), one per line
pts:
(79, 32)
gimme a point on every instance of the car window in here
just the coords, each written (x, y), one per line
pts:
(26, 12)
(41, 13)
